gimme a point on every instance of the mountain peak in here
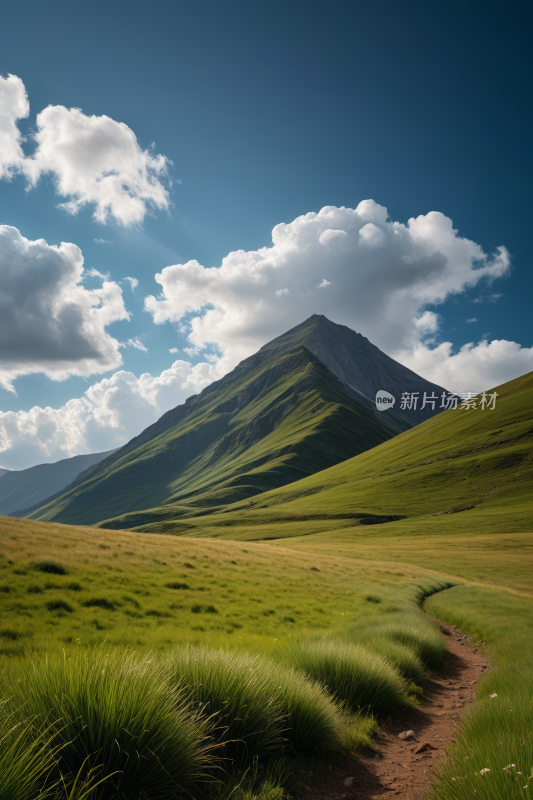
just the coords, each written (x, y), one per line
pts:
(360, 365)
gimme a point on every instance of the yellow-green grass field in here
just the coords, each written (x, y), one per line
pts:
(156, 591)
(287, 651)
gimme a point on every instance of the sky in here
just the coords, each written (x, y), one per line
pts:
(182, 182)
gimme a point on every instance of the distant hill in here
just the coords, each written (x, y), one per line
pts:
(22, 489)
(3, 472)
(281, 415)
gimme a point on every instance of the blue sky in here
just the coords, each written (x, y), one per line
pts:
(262, 113)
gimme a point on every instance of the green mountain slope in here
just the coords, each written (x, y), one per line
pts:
(462, 471)
(273, 420)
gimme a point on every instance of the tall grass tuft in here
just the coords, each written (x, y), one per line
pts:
(26, 759)
(118, 714)
(425, 639)
(354, 675)
(399, 655)
(314, 720)
(234, 690)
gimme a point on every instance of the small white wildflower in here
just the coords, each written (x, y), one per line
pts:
(482, 772)
(494, 695)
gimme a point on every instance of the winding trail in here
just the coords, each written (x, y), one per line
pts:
(402, 767)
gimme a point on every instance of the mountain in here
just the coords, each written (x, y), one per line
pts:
(3, 472)
(279, 416)
(466, 471)
(22, 489)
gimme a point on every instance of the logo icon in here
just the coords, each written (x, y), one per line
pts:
(384, 400)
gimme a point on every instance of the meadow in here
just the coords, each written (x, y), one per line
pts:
(233, 652)
(266, 655)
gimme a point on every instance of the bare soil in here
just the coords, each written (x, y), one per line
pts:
(401, 767)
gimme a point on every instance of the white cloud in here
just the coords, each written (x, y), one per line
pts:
(382, 278)
(282, 292)
(136, 343)
(93, 160)
(13, 106)
(95, 273)
(133, 282)
(110, 413)
(102, 241)
(173, 350)
(475, 368)
(49, 322)
(474, 319)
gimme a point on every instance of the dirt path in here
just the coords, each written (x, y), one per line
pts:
(403, 766)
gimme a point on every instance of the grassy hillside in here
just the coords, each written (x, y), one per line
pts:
(267, 424)
(462, 474)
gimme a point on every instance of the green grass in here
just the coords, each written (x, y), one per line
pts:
(363, 680)
(496, 733)
(249, 597)
(235, 691)
(118, 714)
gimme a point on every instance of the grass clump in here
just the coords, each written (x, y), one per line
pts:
(26, 759)
(235, 689)
(403, 658)
(118, 713)
(50, 567)
(314, 721)
(425, 640)
(354, 675)
(99, 602)
(59, 605)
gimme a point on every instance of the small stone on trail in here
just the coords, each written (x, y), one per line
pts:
(406, 735)
(423, 747)
(348, 782)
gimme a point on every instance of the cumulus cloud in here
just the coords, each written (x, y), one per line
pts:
(49, 322)
(94, 161)
(475, 368)
(13, 106)
(382, 279)
(473, 319)
(110, 413)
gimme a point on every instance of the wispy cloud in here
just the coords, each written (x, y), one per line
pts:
(133, 282)
(136, 343)
(474, 319)
(323, 283)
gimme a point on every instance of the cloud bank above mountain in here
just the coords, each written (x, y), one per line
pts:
(382, 278)
(49, 321)
(92, 160)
